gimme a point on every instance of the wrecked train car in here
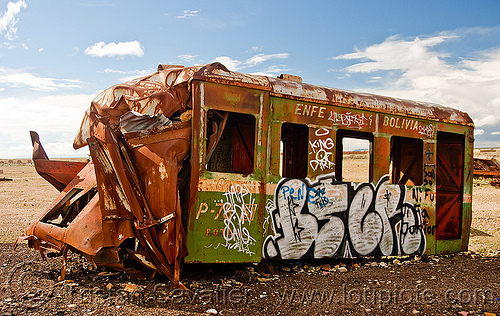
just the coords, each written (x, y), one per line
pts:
(201, 164)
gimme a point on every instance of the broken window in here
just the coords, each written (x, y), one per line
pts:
(230, 142)
(407, 161)
(354, 156)
(65, 211)
(294, 150)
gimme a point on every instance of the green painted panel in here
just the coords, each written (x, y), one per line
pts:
(448, 246)
(226, 227)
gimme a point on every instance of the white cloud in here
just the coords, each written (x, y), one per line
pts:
(56, 118)
(134, 76)
(129, 75)
(188, 14)
(495, 133)
(8, 45)
(187, 58)
(494, 102)
(272, 71)
(486, 120)
(231, 64)
(101, 49)
(478, 132)
(418, 68)
(16, 79)
(9, 19)
(257, 60)
(397, 54)
(113, 71)
(46, 113)
(261, 58)
(130, 72)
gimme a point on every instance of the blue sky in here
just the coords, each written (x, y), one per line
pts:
(56, 56)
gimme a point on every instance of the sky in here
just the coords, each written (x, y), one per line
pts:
(56, 56)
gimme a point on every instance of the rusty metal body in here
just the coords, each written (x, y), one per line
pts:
(486, 166)
(200, 164)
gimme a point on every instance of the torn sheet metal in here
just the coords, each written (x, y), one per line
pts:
(122, 208)
(127, 207)
(57, 173)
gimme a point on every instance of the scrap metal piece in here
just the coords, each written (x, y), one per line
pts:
(486, 166)
(57, 173)
(122, 208)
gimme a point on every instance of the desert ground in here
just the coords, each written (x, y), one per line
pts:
(457, 284)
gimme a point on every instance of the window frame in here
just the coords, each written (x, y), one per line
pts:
(231, 127)
(398, 150)
(339, 152)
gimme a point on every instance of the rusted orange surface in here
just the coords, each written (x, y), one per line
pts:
(486, 166)
(57, 173)
(151, 140)
(122, 209)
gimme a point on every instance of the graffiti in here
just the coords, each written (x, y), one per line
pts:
(410, 124)
(335, 219)
(429, 154)
(321, 151)
(429, 174)
(428, 228)
(238, 209)
(427, 130)
(349, 119)
(420, 194)
(310, 110)
(267, 217)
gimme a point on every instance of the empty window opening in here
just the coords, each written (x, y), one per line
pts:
(294, 150)
(66, 210)
(354, 156)
(230, 142)
(407, 161)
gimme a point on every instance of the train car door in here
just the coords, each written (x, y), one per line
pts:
(449, 185)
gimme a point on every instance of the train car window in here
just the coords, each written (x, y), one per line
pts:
(230, 142)
(407, 161)
(354, 156)
(294, 150)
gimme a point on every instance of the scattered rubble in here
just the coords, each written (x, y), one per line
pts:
(213, 289)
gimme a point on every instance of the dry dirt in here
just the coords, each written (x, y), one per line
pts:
(431, 285)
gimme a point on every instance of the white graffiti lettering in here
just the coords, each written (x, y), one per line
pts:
(410, 124)
(428, 130)
(322, 151)
(331, 219)
(267, 217)
(238, 209)
(349, 119)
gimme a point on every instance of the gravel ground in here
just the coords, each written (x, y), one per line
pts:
(435, 285)
(429, 285)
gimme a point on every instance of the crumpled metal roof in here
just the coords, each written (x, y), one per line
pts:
(164, 92)
(167, 91)
(338, 97)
